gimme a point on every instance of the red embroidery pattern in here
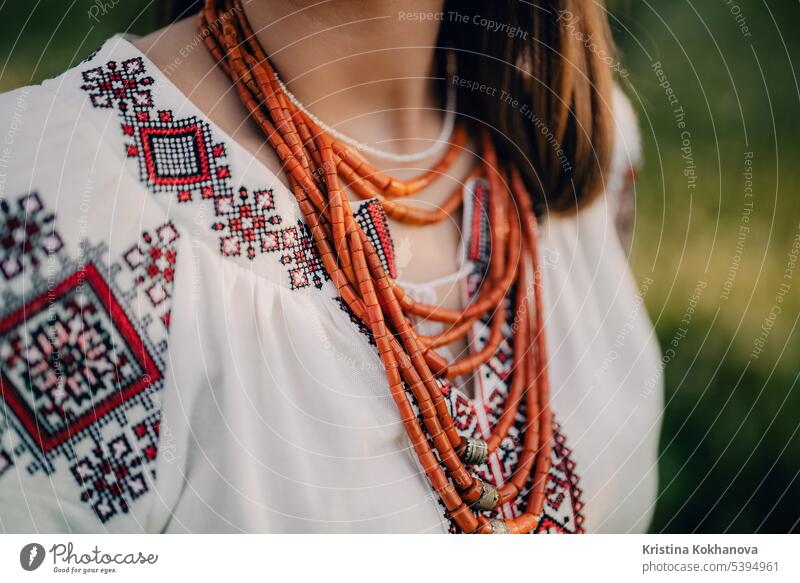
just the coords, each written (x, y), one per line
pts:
(563, 492)
(563, 505)
(479, 241)
(123, 86)
(181, 157)
(177, 155)
(116, 473)
(299, 254)
(246, 219)
(80, 368)
(68, 362)
(372, 219)
(28, 236)
(153, 261)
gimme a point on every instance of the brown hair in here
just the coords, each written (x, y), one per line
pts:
(549, 107)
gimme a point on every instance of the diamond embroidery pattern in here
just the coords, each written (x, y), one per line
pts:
(27, 235)
(245, 219)
(179, 156)
(122, 85)
(299, 254)
(372, 219)
(153, 261)
(115, 473)
(79, 371)
(69, 356)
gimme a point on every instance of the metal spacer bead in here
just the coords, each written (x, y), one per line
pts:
(475, 451)
(499, 526)
(489, 499)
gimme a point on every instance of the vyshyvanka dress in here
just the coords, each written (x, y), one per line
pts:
(175, 358)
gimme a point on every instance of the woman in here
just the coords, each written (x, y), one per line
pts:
(231, 304)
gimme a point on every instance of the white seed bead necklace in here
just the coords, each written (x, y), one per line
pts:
(442, 140)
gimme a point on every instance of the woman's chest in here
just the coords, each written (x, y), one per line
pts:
(289, 427)
(301, 426)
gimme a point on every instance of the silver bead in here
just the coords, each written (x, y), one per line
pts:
(475, 451)
(489, 499)
(499, 526)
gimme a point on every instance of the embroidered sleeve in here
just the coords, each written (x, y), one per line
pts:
(84, 322)
(82, 368)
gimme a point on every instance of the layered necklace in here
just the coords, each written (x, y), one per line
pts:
(319, 168)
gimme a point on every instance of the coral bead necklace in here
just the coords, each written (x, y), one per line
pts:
(319, 167)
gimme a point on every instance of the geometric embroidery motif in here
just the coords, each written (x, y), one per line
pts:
(70, 356)
(122, 86)
(153, 261)
(80, 367)
(372, 219)
(116, 473)
(463, 413)
(479, 247)
(177, 155)
(299, 254)
(245, 221)
(180, 156)
(27, 235)
(564, 508)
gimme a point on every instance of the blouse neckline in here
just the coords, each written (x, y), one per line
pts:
(124, 40)
(120, 47)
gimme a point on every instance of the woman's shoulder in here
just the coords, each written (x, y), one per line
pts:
(126, 142)
(55, 137)
(626, 161)
(67, 96)
(586, 253)
(612, 212)
(69, 192)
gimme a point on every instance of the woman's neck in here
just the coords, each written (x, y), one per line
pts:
(366, 68)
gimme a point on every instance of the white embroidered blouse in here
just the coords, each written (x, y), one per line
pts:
(175, 359)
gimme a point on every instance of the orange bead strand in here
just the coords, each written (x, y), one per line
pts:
(319, 170)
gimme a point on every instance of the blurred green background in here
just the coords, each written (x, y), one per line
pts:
(730, 449)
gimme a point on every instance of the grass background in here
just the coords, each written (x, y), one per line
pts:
(730, 449)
